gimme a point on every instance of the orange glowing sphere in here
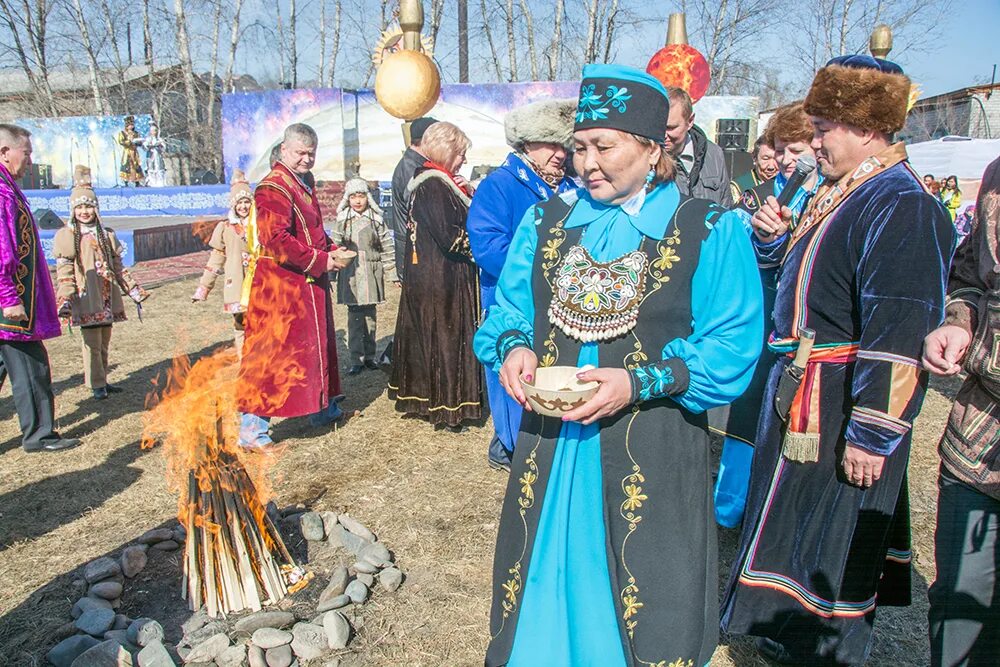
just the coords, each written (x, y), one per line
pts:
(681, 66)
(407, 84)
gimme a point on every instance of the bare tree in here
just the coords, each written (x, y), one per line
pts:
(335, 50)
(120, 66)
(437, 12)
(590, 50)
(511, 40)
(30, 19)
(494, 57)
(234, 43)
(556, 46)
(293, 42)
(76, 9)
(281, 43)
(529, 30)
(187, 69)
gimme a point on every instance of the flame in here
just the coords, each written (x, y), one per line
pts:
(279, 337)
(203, 228)
(194, 418)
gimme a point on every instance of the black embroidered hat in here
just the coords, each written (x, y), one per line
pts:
(622, 98)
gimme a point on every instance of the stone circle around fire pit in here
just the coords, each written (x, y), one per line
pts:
(317, 622)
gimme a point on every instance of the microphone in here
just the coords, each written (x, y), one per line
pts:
(805, 166)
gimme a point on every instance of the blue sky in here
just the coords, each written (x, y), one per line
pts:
(972, 46)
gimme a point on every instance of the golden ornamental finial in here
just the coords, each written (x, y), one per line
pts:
(880, 43)
(411, 20)
(677, 29)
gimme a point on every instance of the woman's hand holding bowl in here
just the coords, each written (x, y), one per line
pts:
(520, 362)
(613, 396)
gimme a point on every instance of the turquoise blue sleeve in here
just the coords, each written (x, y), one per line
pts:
(714, 365)
(508, 323)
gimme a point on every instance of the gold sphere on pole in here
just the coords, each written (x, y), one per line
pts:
(408, 83)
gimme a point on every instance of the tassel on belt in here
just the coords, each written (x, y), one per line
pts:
(802, 433)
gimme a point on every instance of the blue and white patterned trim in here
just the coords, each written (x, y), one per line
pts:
(509, 340)
(659, 380)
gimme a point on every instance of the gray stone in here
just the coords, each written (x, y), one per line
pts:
(133, 560)
(390, 578)
(338, 583)
(341, 537)
(311, 525)
(108, 653)
(144, 631)
(364, 567)
(65, 652)
(234, 656)
(264, 619)
(208, 649)
(357, 591)
(271, 638)
(377, 554)
(255, 656)
(120, 636)
(279, 657)
(338, 602)
(356, 527)
(338, 630)
(367, 579)
(179, 534)
(86, 604)
(65, 630)
(96, 621)
(197, 620)
(99, 569)
(107, 590)
(156, 535)
(329, 521)
(166, 545)
(155, 655)
(308, 640)
(121, 622)
(204, 632)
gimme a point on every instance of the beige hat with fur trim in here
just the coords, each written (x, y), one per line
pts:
(239, 188)
(547, 121)
(83, 189)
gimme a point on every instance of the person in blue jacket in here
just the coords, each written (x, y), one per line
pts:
(540, 135)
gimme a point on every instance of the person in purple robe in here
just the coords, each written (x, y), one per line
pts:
(28, 302)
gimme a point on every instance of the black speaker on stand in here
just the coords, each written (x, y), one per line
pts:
(47, 219)
(733, 134)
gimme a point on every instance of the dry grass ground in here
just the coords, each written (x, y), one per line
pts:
(429, 494)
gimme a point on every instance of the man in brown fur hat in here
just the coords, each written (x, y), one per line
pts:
(826, 536)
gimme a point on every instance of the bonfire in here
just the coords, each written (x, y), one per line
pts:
(234, 558)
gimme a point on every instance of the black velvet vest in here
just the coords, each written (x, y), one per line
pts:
(659, 521)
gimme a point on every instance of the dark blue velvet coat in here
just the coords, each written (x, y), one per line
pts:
(817, 554)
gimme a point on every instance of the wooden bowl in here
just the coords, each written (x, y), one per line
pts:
(342, 253)
(556, 390)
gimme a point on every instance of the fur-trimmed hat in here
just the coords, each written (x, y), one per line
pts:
(239, 188)
(547, 122)
(790, 123)
(862, 91)
(83, 189)
(353, 187)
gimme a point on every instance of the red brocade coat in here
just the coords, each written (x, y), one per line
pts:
(289, 365)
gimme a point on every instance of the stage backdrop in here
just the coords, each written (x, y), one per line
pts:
(354, 130)
(87, 140)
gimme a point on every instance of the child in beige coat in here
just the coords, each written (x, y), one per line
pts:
(91, 280)
(230, 256)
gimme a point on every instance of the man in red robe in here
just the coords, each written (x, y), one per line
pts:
(289, 366)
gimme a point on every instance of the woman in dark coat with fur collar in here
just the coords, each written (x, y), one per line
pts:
(435, 374)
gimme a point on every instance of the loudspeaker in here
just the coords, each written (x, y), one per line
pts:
(37, 177)
(47, 219)
(204, 177)
(733, 133)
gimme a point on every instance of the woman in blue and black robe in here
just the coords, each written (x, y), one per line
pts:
(606, 552)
